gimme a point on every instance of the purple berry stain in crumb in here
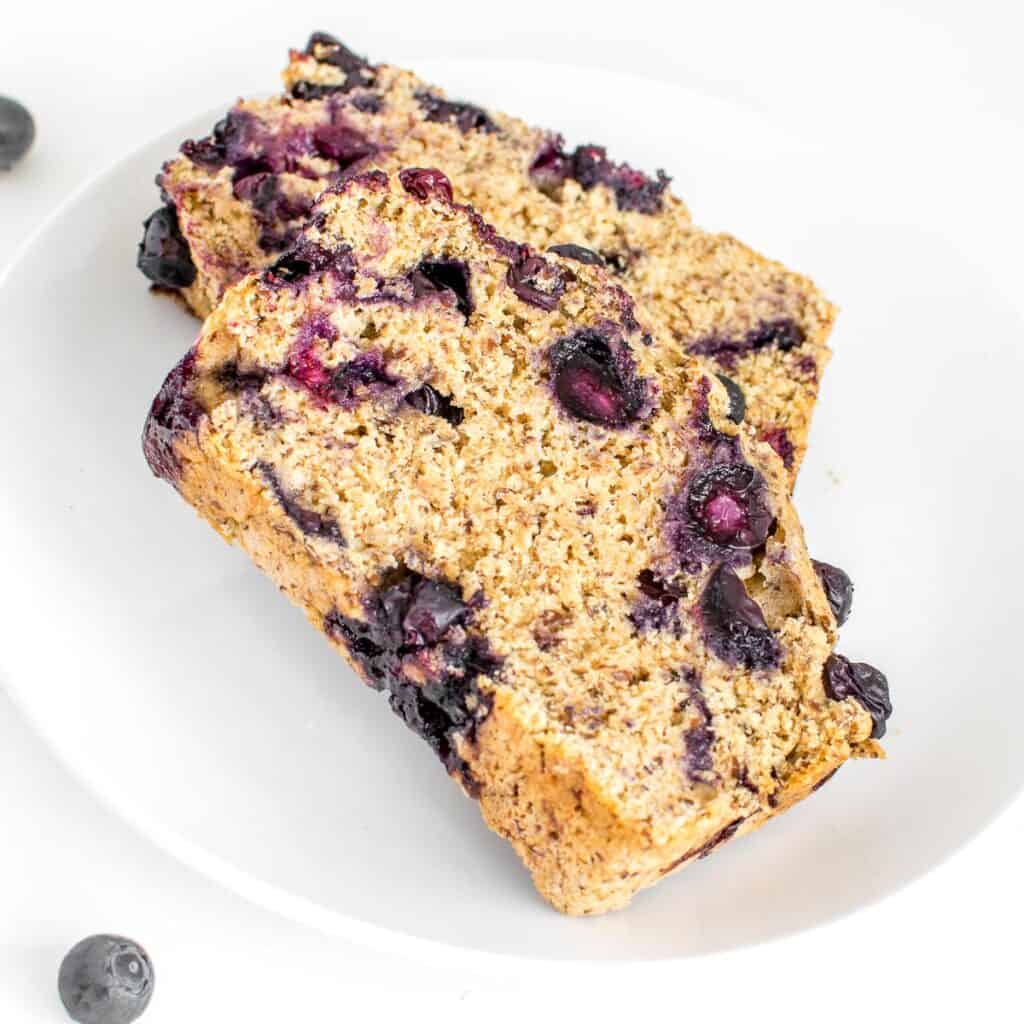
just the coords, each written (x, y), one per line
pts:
(106, 979)
(734, 626)
(699, 738)
(578, 253)
(595, 379)
(590, 166)
(536, 281)
(174, 412)
(309, 521)
(431, 402)
(464, 116)
(657, 603)
(783, 334)
(416, 644)
(865, 684)
(838, 589)
(424, 183)
(164, 255)
(777, 438)
(304, 363)
(440, 276)
(809, 366)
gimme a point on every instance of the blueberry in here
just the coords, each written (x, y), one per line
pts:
(17, 132)
(368, 103)
(633, 189)
(734, 625)
(345, 146)
(328, 50)
(722, 513)
(595, 383)
(174, 412)
(657, 589)
(590, 166)
(105, 979)
(700, 737)
(444, 275)
(864, 683)
(314, 90)
(433, 608)
(310, 522)
(737, 400)
(551, 166)
(424, 182)
(657, 606)
(536, 281)
(783, 333)
(164, 255)
(578, 253)
(617, 262)
(431, 402)
(258, 188)
(729, 503)
(367, 371)
(308, 258)
(465, 116)
(421, 624)
(210, 151)
(838, 589)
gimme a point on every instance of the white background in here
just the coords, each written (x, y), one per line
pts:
(100, 78)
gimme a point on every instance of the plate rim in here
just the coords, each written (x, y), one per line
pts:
(272, 897)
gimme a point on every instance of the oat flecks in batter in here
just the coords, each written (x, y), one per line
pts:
(509, 575)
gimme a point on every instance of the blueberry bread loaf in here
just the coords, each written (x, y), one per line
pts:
(527, 517)
(237, 198)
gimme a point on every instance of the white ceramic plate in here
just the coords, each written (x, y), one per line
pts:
(178, 684)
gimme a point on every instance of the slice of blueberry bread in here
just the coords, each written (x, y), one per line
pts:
(527, 517)
(235, 200)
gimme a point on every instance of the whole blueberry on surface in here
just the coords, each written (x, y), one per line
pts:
(163, 254)
(17, 130)
(865, 684)
(105, 979)
(838, 589)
